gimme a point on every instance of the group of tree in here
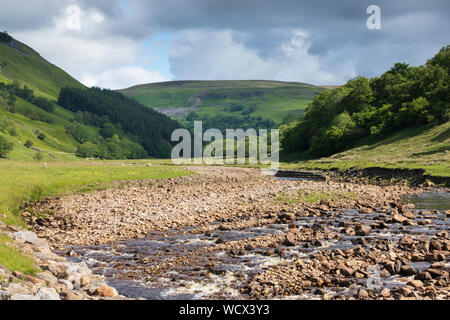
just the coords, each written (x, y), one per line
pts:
(224, 122)
(111, 148)
(5, 147)
(15, 89)
(5, 37)
(402, 97)
(119, 114)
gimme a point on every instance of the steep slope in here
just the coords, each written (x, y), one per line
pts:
(426, 147)
(21, 63)
(270, 100)
(25, 121)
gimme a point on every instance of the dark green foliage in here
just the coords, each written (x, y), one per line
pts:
(150, 129)
(28, 144)
(44, 104)
(402, 97)
(79, 132)
(27, 94)
(231, 122)
(38, 156)
(111, 148)
(5, 37)
(5, 147)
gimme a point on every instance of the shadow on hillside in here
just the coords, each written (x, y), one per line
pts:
(430, 152)
(442, 136)
(394, 137)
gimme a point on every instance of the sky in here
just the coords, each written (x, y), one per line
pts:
(120, 43)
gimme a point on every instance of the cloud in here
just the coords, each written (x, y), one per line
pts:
(252, 38)
(77, 42)
(121, 78)
(210, 55)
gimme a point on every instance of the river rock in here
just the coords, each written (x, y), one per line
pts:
(386, 292)
(423, 276)
(289, 240)
(417, 284)
(4, 295)
(85, 280)
(408, 270)
(22, 297)
(362, 294)
(106, 291)
(67, 283)
(26, 236)
(399, 218)
(47, 294)
(70, 295)
(49, 278)
(363, 230)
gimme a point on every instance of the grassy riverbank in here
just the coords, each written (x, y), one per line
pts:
(426, 148)
(24, 182)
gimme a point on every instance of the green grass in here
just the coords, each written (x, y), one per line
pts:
(24, 182)
(13, 259)
(315, 197)
(279, 100)
(425, 148)
(26, 66)
(58, 145)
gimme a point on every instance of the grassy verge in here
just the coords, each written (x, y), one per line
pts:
(24, 182)
(13, 259)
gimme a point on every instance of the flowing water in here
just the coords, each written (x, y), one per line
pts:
(132, 267)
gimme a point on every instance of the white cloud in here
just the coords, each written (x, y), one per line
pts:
(77, 43)
(211, 55)
(123, 77)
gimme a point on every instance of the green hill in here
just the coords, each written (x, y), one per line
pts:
(18, 62)
(191, 100)
(22, 66)
(37, 126)
(425, 147)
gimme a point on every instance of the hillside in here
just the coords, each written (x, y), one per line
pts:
(21, 120)
(212, 100)
(403, 97)
(18, 62)
(425, 147)
(34, 125)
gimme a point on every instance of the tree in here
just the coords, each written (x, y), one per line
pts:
(28, 143)
(5, 147)
(404, 96)
(38, 157)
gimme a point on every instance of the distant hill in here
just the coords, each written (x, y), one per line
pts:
(188, 100)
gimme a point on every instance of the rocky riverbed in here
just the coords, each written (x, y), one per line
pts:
(232, 233)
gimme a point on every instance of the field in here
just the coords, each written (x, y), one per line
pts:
(268, 99)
